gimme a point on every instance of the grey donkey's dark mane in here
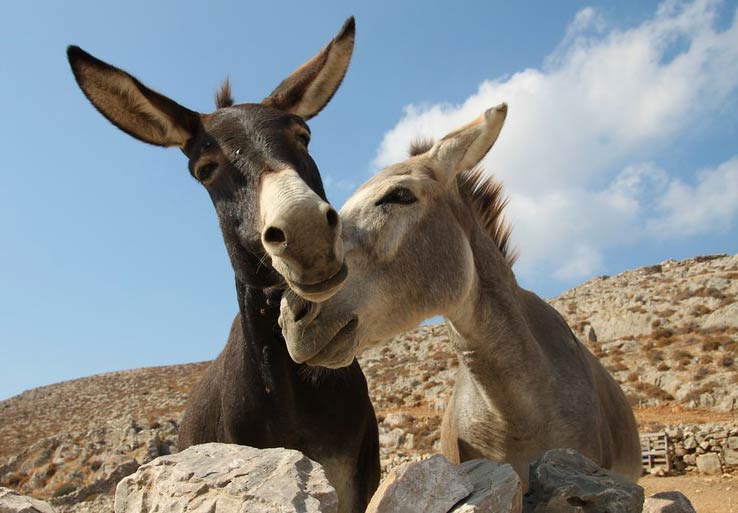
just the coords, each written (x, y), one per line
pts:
(485, 195)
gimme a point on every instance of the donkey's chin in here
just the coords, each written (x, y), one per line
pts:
(323, 290)
(340, 351)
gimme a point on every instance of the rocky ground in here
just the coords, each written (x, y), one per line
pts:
(667, 332)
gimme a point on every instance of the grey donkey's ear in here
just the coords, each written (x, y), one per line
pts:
(311, 86)
(131, 106)
(465, 147)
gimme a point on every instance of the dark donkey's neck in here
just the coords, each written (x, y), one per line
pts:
(263, 345)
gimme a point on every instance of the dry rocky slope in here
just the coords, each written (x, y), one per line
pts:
(667, 332)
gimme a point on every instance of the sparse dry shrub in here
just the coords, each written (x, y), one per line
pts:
(652, 391)
(648, 345)
(662, 332)
(695, 394)
(705, 359)
(655, 323)
(701, 373)
(64, 489)
(656, 356)
(662, 367)
(683, 364)
(726, 360)
(665, 314)
(617, 367)
(681, 353)
(637, 309)
(730, 276)
(710, 345)
(633, 376)
(700, 310)
(663, 342)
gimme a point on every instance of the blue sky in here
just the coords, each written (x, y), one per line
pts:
(620, 150)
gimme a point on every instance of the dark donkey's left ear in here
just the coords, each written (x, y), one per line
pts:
(311, 86)
(131, 106)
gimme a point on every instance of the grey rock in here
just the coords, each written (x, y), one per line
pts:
(564, 481)
(733, 442)
(730, 456)
(709, 464)
(228, 478)
(725, 317)
(432, 486)
(497, 488)
(589, 334)
(668, 502)
(690, 443)
(13, 502)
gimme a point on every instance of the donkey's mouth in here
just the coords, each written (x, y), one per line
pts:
(340, 350)
(323, 290)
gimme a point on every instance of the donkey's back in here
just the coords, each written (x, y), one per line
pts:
(594, 408)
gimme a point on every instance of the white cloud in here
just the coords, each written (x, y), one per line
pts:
(605, 100)
(712, 204)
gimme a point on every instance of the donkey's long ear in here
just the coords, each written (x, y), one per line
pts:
(130, 105)
(465, 147)
(311, 86)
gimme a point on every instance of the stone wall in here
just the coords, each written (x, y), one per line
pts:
(708, 448)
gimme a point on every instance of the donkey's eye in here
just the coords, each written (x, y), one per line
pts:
(401, 195)
(304, 138)
(205, 172)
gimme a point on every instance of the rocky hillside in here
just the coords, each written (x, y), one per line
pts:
(667, 332)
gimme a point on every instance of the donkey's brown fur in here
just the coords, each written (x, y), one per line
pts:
(253, 161)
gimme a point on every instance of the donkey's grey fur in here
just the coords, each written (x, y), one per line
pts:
(425, 237)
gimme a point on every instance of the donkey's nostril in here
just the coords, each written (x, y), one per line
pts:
(332, 217)
(274, 235)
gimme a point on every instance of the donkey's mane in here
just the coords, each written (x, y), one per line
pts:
(223, 96)
(486, 197)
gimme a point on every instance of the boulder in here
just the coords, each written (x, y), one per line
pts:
(497, 488)
(228, 478)
(668, 502)
(13, 502)
(725, 317)
(564, 481)
(709, 464)
(433, 486)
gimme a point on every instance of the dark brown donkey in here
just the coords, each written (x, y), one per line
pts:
(254, 162)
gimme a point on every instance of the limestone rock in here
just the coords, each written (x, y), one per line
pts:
(668, 502)
(497, 488)
(730, 456)
(709, 464)
(564, 481)
(13, 502)
(228, 478)
(432, 486)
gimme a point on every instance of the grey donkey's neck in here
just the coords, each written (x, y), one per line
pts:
(495, 346)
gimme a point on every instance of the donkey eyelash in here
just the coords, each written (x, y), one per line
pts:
(399, 195)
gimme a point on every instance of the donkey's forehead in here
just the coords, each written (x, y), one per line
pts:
(250, 117)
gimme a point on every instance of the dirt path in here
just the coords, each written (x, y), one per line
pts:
(708, 494)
